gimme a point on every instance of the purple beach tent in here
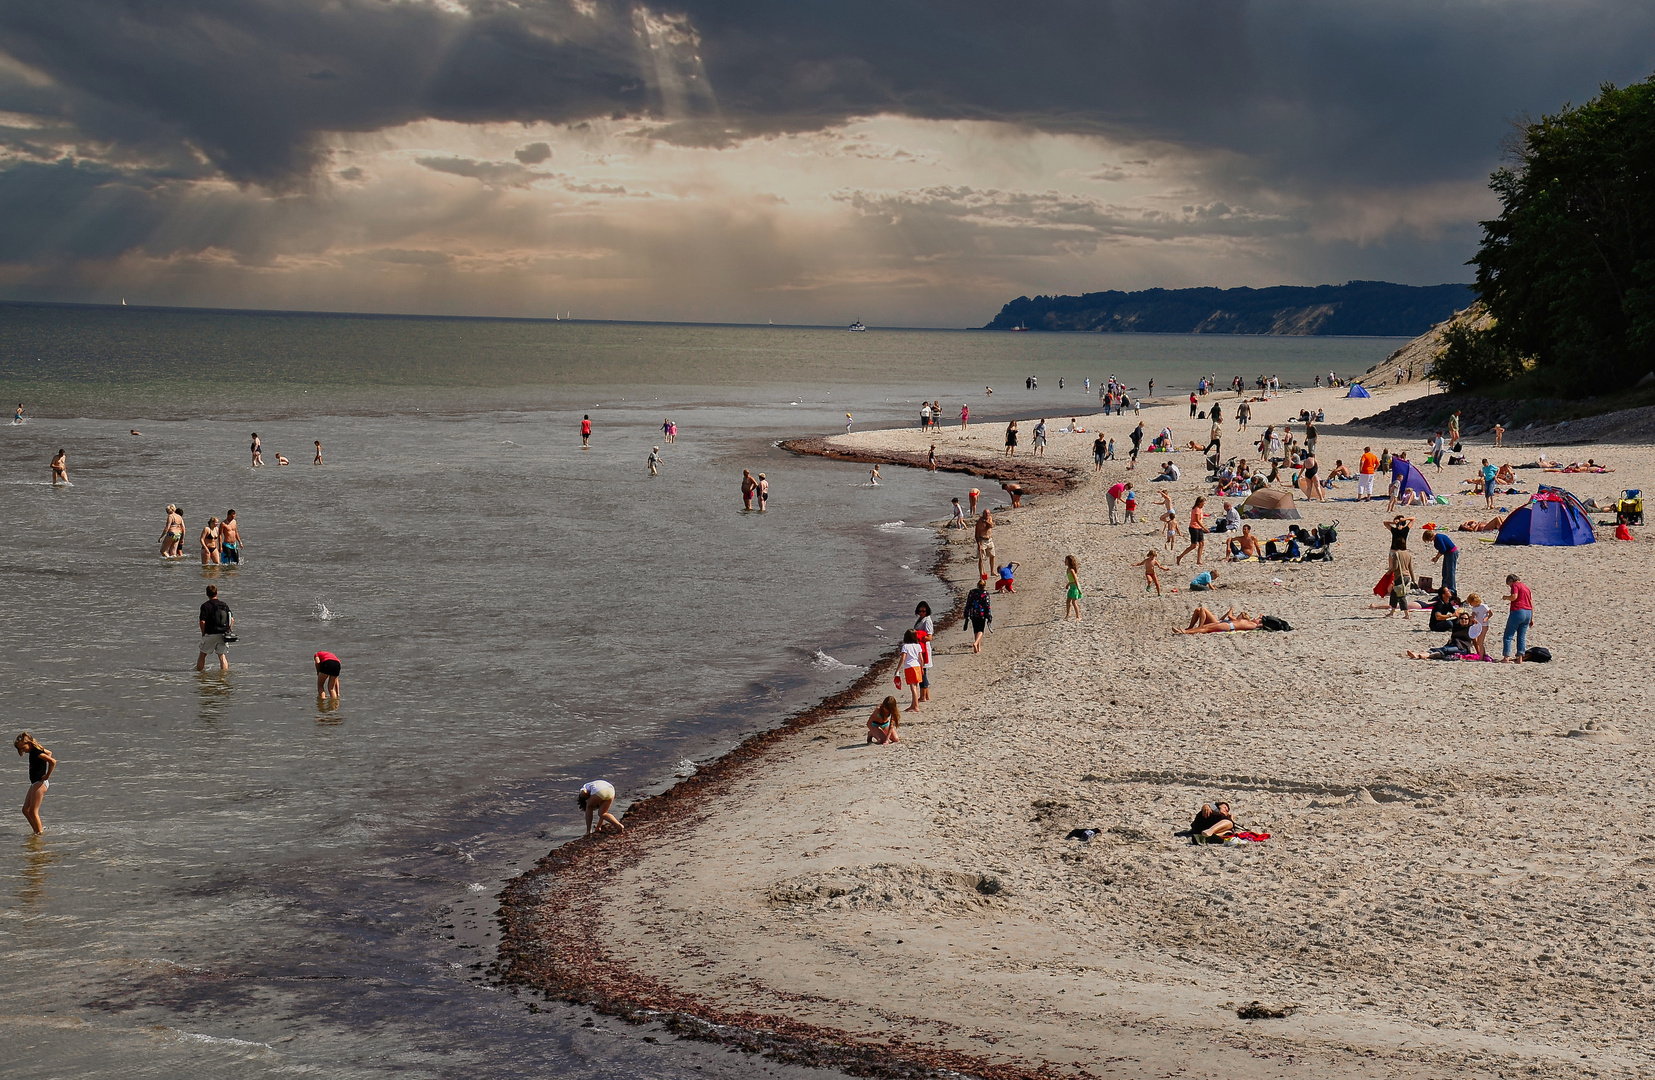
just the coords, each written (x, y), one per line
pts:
(1552, 518)
(1358, 390)
(1411, 479)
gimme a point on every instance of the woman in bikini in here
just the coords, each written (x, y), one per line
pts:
(884, 721)
(1203, 621)
(209, 542)
(172, 534)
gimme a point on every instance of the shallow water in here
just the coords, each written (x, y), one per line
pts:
(236, 880)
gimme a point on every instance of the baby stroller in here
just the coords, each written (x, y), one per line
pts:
(1629, 508)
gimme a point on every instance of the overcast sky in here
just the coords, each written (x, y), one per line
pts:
(902, 162)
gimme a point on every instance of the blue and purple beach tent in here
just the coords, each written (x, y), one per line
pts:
(1551, 518)
(1358, 390)
(1411, 478)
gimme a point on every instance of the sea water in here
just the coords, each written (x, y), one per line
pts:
(237, 881)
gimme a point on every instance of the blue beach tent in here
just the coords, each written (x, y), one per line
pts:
(1412, 479)
(1358, 390)
(1551, 518)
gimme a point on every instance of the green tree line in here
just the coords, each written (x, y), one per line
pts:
(1568, 268)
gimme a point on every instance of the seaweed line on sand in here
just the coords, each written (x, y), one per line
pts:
(552, 940)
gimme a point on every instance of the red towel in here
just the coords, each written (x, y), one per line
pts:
(1384, 586)
(1255, 837)
(1623, 533)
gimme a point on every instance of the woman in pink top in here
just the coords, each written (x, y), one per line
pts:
(1518, 620)
(965, 416)
(1198, 531)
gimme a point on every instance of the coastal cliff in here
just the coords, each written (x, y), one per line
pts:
(1376, 308)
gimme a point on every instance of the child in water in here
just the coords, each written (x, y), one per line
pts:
(873, 476)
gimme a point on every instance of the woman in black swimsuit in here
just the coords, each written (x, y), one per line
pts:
(1011, 438)
(41, 764)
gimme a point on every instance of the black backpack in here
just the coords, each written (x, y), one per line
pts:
(221, 619)
(1538, 655)
(1271, 622)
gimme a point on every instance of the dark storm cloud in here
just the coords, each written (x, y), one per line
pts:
(495, 174)
(1414, 88)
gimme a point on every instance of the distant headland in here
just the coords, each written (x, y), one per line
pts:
(1374, 308)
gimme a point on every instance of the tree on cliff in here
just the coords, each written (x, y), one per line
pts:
(1568, 268)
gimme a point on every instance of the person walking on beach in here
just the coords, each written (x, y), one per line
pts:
(258, 452)
(883, 722)
(1447, 552)
(847, 423)
(748, 487)
(586, 431)
(1099, 448)
(209, 540)
(1365, 470)
(1491, 476)
(229, 540)
(1071, 606)
(913, 667)
(327, 677)
(978, 613)
(1192, 405)
(958, 520)
(172, 534)
(926, 629)
(985, 540)
(655, 461)
(965, 417)
(60, 468)
(318, 458)
(216, 623)
(1499, 435)
(931, 459)
(1137, 438)
(41, 766)
(1040, 438)
(925, 416)
(763, 493)
(1518, 619)
(1149, 564)
(1198, 531)
(596, 798)
(1116, 492)
(1011, 438)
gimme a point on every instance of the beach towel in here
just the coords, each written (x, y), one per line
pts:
(1384, 586)
(1251, 837)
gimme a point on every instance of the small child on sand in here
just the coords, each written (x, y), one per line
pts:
(958, 520)
(1150, 564)
(1072, 606)
(913, 666)
(1006, 581)
(1170, 520)
(1131, 505)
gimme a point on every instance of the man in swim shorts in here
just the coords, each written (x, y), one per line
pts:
(585, 431)
(985, 540)
(216, 622)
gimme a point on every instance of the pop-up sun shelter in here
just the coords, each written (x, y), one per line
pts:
(1269, 503)
(1552, 517)
(1358, 390)
(1412, 479)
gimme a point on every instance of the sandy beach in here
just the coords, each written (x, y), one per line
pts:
(1457, 874)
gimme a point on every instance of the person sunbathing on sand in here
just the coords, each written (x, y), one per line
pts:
(1459, 643)
(1491, 525)
(1212, 824)
(1151, 563)
(1203, 621)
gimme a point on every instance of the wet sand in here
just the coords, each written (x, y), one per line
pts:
(1456, 880)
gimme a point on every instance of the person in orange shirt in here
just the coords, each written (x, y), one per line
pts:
(1364, 474)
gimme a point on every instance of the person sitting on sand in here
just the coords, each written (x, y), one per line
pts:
(1212, 824)
(1149, 564)
(884, 721)
(1460, 642)
(1169, 471)
(1491, 525)
(1506, 474)
(280, 460)
(596, 798)
(1205, 581)
(1243, 547)
(1203, 621)
(1443, 609)
(1005, 580)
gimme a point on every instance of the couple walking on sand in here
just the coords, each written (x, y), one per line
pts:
(754, 491)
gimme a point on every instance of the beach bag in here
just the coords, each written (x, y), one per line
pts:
(1538, 655)
(1271, 622)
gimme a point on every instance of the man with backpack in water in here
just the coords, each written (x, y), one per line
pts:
(216, 625)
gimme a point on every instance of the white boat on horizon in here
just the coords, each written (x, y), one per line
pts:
(857, 327)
